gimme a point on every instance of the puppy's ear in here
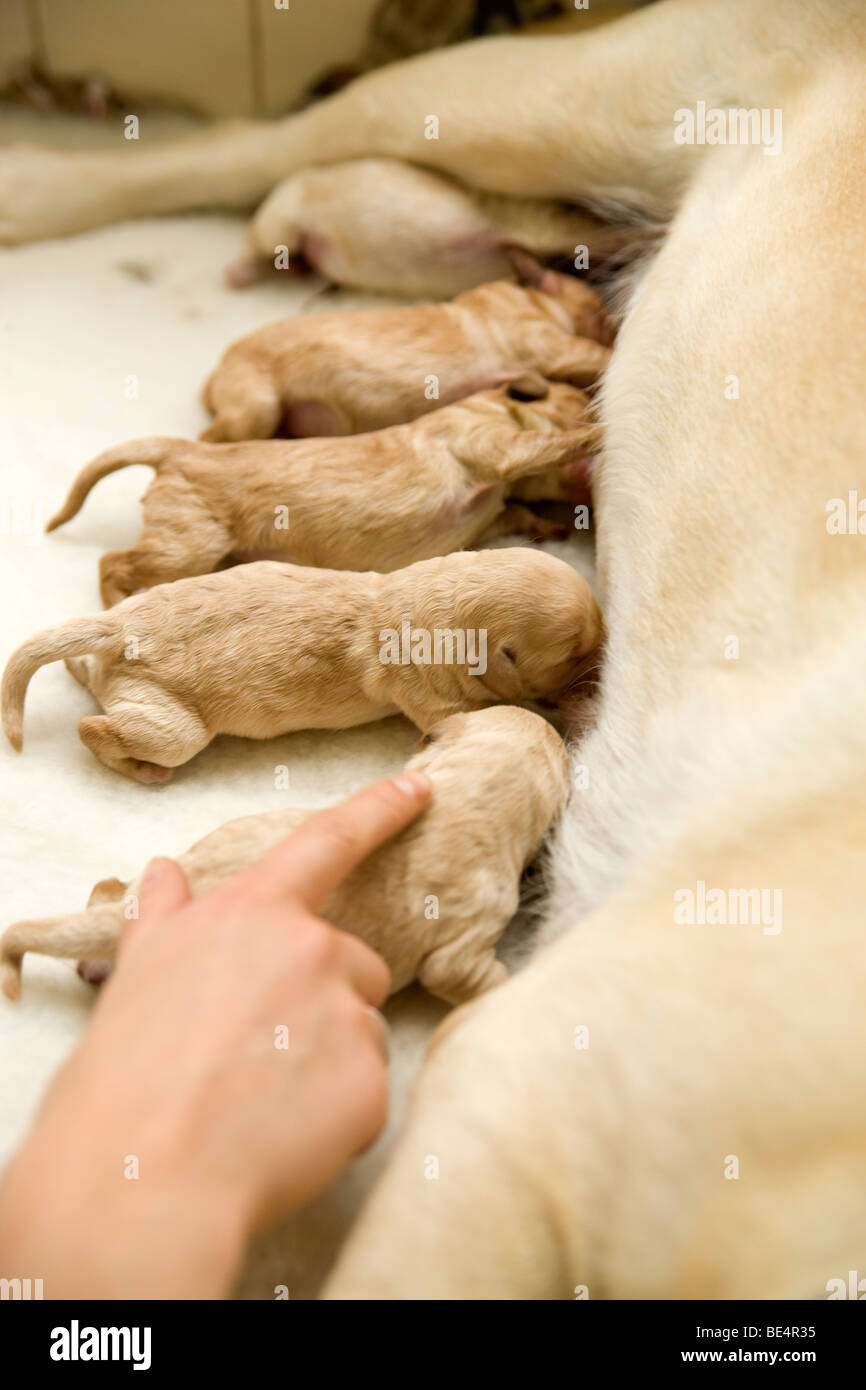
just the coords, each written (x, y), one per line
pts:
(502, 671)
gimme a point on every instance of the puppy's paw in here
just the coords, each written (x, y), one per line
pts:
(107, 890)
(150, 772)
(539, 529)
(94, 972)
(574, 481)
(249, 270)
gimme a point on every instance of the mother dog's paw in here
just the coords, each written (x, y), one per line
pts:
(47, 193)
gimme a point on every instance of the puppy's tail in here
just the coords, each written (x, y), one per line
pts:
(55, 644)
(89, 935)
(151, 452)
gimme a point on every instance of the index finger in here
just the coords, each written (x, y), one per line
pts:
(311, 862)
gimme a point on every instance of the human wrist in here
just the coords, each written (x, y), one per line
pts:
(93, 1222)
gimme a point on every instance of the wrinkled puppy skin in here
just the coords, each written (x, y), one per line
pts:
(267, 648)
(374, 501)
(433, 902)
(350, 372)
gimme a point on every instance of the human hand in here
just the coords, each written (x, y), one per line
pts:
(235, 1062)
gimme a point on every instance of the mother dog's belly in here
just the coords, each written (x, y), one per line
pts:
(736, 622)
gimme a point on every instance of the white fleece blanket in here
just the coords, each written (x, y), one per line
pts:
(103, 338)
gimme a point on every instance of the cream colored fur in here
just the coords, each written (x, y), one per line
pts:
(267, 648)
(380, 225)
(609, 1167)
(433, 902)
(351, 372)
(376, 501)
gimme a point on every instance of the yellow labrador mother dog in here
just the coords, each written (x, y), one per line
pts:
(695, 1006)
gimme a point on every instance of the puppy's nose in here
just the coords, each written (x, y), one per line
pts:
(575, 479)
(588, 651)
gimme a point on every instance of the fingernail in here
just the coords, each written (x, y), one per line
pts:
(414, 784)
(152, 874)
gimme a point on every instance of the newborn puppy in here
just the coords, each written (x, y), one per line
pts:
(365, 369)
(406, 493)
(379, 224)
(267, 648)
(434, 901)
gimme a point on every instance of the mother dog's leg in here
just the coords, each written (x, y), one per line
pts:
(566, 117)
(654, 1108)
